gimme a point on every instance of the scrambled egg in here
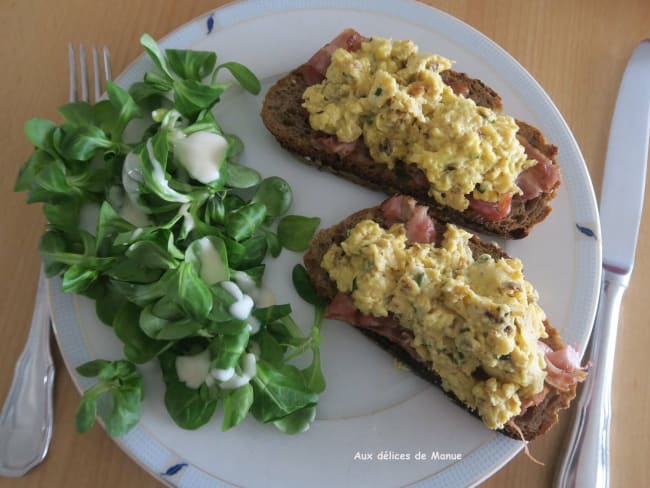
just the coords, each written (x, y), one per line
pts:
(476, 321)
(395, 99)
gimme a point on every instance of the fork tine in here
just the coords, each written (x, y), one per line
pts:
(96, 75)
(107, 64)
(83, 73)
(73, 70)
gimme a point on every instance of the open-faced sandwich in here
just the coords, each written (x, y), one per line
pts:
(456, 310)
(380, 113)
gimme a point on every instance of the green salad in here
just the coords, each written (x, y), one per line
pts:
(175, 262)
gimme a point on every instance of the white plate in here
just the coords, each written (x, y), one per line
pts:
(369, 406)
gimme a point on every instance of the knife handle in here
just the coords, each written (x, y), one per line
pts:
(585, 462)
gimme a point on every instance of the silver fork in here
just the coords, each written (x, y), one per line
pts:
(26, 418)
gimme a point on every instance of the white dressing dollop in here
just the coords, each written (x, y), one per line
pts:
(213, 269)
(243, 305)
(201, 154)
(241, 309)
(233, 289)
(244, 281)
(249, 370)
(263, 297)
(193, 370)
(222, 374)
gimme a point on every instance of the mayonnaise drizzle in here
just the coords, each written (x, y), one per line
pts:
(212, 267)
(222, 374)
(243, 305)
(202, 154)
(233, 289)
(263, 297)
(244, 281)
(249, 367)
(241, 309)
(193, 370)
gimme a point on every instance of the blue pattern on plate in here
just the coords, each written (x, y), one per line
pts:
(587, 231)
(210, 23)
(174, 469)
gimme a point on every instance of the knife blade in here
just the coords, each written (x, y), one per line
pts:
(621, 199)
(585, 462)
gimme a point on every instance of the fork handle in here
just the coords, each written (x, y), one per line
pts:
(586, 459)
(26, 418)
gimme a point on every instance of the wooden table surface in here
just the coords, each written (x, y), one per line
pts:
(576, 49)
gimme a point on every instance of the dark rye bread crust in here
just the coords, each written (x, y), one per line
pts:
(285, 117)
(534, 422)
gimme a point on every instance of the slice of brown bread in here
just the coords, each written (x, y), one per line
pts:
(288, 121)
(534, 422)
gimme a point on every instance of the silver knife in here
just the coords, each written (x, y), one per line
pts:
(586, 459)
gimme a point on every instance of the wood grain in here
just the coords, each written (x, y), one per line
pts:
(577, 50)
